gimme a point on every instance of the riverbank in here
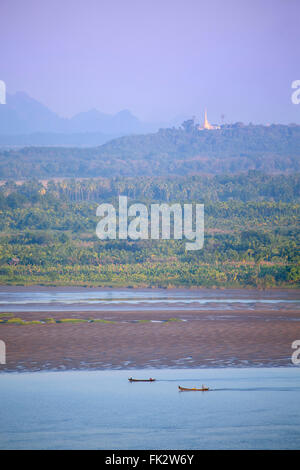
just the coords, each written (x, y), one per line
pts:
(126, 340)
(83, 328)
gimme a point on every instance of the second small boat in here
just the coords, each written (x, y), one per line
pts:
(184, 389)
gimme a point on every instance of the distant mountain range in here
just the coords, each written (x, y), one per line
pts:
(25, 121)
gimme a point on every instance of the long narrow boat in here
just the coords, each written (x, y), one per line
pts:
(141, 380)
(203, 389)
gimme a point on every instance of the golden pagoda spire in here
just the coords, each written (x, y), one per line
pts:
(206, 123)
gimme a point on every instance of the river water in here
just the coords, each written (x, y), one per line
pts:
(14, 299)
(245, 409)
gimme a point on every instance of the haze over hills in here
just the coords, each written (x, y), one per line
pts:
(25, 121)
(122, 145)
(172, 151)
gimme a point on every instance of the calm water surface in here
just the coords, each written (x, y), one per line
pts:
(51, 299)
(246, 409)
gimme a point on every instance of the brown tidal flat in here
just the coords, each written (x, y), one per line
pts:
(151, 339)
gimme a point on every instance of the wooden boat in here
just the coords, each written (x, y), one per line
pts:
(141, 380)
(203, 389)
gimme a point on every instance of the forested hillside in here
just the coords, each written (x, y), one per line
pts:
(183, 151)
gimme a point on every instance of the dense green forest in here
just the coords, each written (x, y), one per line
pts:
(183, 151)
(251, 233)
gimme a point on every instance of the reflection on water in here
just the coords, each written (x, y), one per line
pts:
(246, 409)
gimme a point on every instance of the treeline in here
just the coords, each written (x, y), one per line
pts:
(47, 233)
(183, 151)
(245, 187)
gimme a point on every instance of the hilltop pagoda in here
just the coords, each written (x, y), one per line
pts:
(206, 125)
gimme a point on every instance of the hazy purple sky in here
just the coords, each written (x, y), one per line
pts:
(158, 58)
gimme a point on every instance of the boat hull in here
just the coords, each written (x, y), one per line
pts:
(183, 389)
(141, 380)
